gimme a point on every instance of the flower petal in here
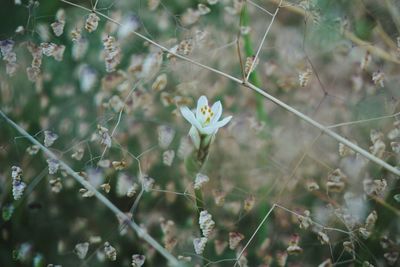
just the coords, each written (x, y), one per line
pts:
(217, 110)
(201, 103)
(208, 130)
(189, 116)
(223, 122)
(195, 137)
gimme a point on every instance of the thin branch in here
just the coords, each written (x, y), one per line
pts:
(363, 121)
(255, 232)
(142, 233)
(259, 7)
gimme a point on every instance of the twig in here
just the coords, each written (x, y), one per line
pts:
(97, 194)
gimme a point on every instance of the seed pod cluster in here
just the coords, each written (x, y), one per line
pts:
(206, 223)
(92, 22)
(58, 25)
(18, 186)
(112, 53)
(6, 48)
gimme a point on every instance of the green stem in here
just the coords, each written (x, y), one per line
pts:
(199, 199)
(254, 77)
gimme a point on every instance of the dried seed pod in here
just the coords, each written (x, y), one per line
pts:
(345, 151)
(189, 17)
(365, 60)
(81, 250)
(312, 186)
(105, 138)
(151, 65)
(165, 136)
(371, 220)
(391, 257)
(79, 48)
(375, 187)
(249, 203)
(6, 47)
(169, 231)
(53, 165)
(104, 163)
(184, 258)
(185, 147)
(250, 65)
(18, 188)
(386, 243)
(203, 9)
(33, 149)
(199, 245)
(130, 23)
(219, 197)
(395, 147)
(132, 190)
(86, 193)
(304, 77)
(16, 172)
(49, 138)
(206, 223)
(56, 185)
(234, 239)
(58, 27)
(106, 187)
(147, 183)
(112, 53)
(378, 78)
(200, 180)
(138, 260)
(119, 165)
(323, 238)
(305, 220)
(76, 34)
(378, 147)
(48, 48)
(336, 181)
(110, 251)
(78, 154)
(364, 232)
(294, 248)
(348, 246)
(33, 73)
(160, 83)
(244, 30)
(92, 22)
(168, 157)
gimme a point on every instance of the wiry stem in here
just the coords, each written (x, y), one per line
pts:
(173, 261)
(266, 95)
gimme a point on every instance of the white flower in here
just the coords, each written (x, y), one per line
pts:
(205, 120)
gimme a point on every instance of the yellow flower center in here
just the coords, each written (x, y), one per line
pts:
(207, 113)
